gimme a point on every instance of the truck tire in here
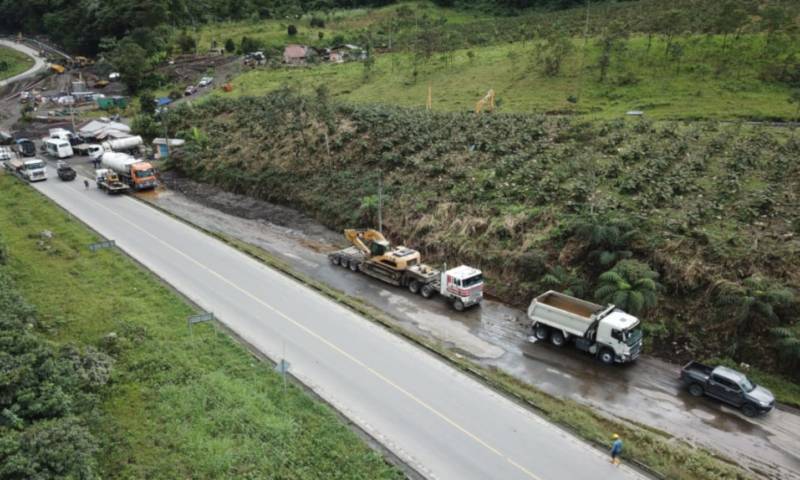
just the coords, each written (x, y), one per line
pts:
(606, 356)
(427, 291)
(458, 305)
(413, 286)
(696, 390)
(749, 410)
(557, 338)
(335, 259)
(353, 265)
(541, 332)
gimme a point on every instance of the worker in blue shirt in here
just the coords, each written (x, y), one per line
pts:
(616, 449)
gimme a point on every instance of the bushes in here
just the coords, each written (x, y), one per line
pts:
(630, 285)
(44, 395)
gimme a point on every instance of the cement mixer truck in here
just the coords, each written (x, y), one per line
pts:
(135, 173)
(122, 144)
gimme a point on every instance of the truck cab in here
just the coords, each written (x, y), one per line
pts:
(464, 285)
(34, 170)
(143, 175)
(622, 333)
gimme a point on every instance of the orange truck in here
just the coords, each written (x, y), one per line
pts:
(137, 174)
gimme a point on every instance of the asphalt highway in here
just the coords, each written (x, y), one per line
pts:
(443, 423)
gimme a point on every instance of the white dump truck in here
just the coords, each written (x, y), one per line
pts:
(607, 332)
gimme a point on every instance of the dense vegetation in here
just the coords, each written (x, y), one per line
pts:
(100, 378)
(699, 219)
(83, 25)
(47, 394)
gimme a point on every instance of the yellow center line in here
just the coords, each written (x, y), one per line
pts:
(322, 339)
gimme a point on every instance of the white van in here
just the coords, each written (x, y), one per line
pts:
(58, 148)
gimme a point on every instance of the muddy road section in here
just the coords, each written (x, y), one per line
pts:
(647, 392)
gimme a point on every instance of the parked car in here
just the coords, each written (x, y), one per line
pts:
(727, 385)
(113, 76)
(205, 81)
(190, 90)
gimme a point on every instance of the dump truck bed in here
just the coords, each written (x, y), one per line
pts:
(563, 312)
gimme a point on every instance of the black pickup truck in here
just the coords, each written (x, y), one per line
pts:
(65, 172)
(727, 385)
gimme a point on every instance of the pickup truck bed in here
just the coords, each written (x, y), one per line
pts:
(696, 371)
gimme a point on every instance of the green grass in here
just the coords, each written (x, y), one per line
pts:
(639, 80)
(177, 406)
(16, 62)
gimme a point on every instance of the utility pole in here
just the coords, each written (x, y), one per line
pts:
(380, 201)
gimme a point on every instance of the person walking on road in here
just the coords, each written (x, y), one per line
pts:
(86, 184)
(616, 449)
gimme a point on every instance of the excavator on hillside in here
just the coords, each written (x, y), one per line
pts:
(373, 255)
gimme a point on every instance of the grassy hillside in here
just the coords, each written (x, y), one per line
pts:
(12, 62)
(543, 203)
(175, 406)
(698, 88)
(682, 60)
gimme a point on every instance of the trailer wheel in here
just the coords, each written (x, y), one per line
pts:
(606, 356)
(696, 390)
(458, 305)
(557, 338)
(334, 259)
(427, 291)
(541, 332)
(413, 286)
(353, 265)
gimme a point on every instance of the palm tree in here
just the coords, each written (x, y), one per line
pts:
(631, 285)
(565, 281)
(608, 239)
(752, 302)
(787, 341)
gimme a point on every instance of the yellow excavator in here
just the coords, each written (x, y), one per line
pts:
(373, 255)
(374, 245)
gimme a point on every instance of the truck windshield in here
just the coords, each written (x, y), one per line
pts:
(34, 165)
(633, 336)
(471, 281)
(144, 173)
(747, 385)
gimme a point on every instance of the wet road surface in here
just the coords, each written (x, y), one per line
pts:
(647, 392)
(444, 423)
